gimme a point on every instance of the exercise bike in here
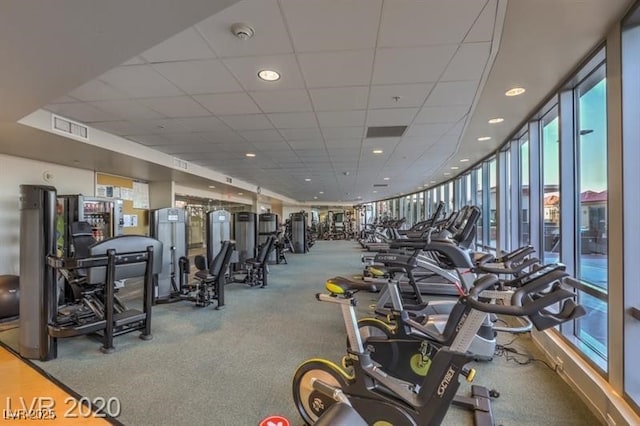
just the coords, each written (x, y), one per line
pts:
(379, 397)
(405, 345)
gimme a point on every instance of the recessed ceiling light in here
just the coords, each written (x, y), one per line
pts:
(375, 192)
(515, 91)
(269, 75)
(447, 173)
(484, 138)
(315, 198)
(211, 186)
(496, 120)
(240, 193)
(377, 151)
(307, 179)
(386, 178)
(433, 181)
(321, 192)
(464, 160)
(250, 154)
(454, 167)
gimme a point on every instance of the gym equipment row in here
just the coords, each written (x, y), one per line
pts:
(72, 277)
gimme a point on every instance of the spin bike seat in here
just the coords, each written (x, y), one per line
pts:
(341, 285)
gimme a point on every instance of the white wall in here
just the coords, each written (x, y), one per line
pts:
(17, 171)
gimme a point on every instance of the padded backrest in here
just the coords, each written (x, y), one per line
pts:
(200, 262)
(266, 249)
(216, 265)
(136, 246)
(82, 238)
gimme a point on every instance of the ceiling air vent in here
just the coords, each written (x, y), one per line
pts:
(69, 127)
(380, 185)
(385, 131)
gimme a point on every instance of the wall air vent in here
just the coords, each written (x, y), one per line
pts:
(385, 131)
(180, 164)
(380, 185)
(229, 180)
(68, 127)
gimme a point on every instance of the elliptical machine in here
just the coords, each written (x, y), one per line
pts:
(380, 397)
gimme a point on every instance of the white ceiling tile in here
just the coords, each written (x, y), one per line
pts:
(293, 120)
(317, 25)
(302, 134)
(386, 144)
(65, 99)
(341, 118)
(342, 132)
(412, 64)
(228, 103)
(247, 122)
(119, 128)
(261, 135)
(337, 69)
(222, 137)
(96, 90)
(343, 143)
(483, 28)
(82, 112)
(197, 77)
(181, 47)
(246, 71)
(187, 138)
(391, 116)
(139, 81)
(426, 22)
(263, 16)
(136, 60)
(181, 148)
(175, 106)
(468, 63)
(282, 100)
(164, 126)
(127, 109)
(410, 95)
(427, 130)
(441, 114)
(271, 146)
(453, 93)
(201, 124)
(339, 98)
(307, 144)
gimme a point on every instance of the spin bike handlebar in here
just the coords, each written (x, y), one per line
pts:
(532, 300)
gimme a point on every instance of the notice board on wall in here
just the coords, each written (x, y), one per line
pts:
(134, 196)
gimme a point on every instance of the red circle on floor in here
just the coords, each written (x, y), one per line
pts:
(274, 421)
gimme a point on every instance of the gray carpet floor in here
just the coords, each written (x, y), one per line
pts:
(234, 366)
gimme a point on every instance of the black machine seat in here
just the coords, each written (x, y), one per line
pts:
(215, 270)
(263, 254)
(82, 238)
(341, 285)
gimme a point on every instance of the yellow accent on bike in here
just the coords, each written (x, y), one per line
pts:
(333, 288)
(420, 365)
(391, 328)
(331, 365)
(375, 271)
(471, 375)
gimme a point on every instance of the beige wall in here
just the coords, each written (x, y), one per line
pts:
(16, 171)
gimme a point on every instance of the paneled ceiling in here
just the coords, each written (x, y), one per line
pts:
(438, 67)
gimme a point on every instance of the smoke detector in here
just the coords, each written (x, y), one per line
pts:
(242, 31)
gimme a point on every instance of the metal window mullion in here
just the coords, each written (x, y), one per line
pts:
(535, 188)
(486, 203)
(516, 185)
(502, 209)
(569, 191)
(569, 234)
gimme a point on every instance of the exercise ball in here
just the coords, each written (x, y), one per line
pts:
(9, 296)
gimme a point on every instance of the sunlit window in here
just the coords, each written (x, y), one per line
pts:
(551, 186)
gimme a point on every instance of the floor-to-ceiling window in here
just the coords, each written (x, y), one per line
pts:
(631, 197)
(591, 224)
(478, 202)
(550, 186)
(493, 203)
(523, 202)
